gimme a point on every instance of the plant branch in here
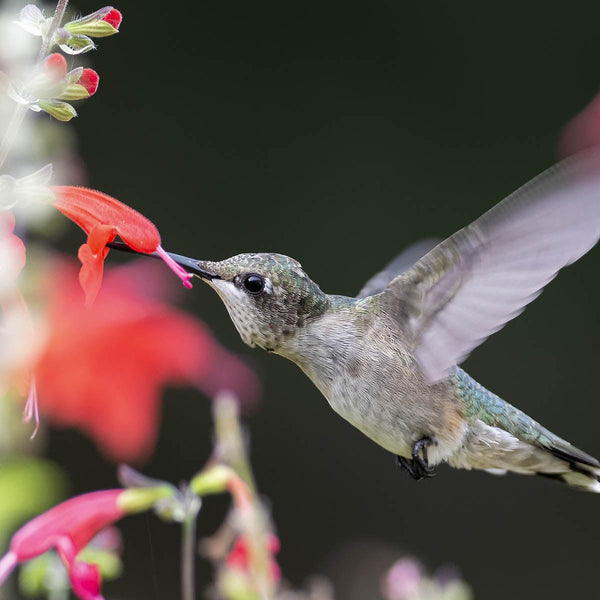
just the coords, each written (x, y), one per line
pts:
(188, 550)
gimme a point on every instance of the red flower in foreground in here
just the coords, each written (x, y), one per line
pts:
(68, 528)
(103, 367)
(103, 218)
(238, 557)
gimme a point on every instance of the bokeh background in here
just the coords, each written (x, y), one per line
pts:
(338, 133)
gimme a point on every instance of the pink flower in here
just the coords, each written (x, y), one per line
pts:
(67, 528)
(582, 131)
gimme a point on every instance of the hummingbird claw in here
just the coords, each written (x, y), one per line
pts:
(417, 467)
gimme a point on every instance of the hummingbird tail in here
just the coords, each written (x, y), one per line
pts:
(503, 438)
(581, 469)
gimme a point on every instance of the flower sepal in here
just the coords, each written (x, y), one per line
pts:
(61, 111)
(32, 20)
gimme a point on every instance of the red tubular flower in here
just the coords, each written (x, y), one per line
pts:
(103, 218)
(89, 80)
(114, 18)
(238, 557)
(68, 528)
(103, 367)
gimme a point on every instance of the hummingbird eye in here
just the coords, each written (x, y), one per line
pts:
(254, 283)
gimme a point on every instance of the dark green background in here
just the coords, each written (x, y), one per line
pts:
(337, 133)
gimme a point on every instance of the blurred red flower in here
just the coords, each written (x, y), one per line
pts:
(14, 243)
(103, 367)
(68, 528)
(239, 556)
(103, 217)
(582, 131)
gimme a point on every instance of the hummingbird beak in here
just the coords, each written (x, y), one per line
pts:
(189, 264)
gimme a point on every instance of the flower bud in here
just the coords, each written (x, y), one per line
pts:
(82, 84)
(102, 23)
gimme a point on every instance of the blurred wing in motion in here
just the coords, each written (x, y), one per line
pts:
(484, 275)
(404, 261)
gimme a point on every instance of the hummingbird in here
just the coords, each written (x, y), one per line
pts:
(387, 360)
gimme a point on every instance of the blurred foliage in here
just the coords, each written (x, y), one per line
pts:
(28, 486)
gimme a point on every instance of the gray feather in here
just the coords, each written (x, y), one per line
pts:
(474, 282)
(404, 261)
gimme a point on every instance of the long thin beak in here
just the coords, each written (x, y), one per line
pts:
(189, 264)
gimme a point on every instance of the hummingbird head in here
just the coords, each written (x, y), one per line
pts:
(268, 296)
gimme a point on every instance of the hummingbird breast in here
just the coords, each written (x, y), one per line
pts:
(369, 377)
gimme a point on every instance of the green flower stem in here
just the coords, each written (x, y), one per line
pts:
(188, 551)
(21, 110)
(231, 450)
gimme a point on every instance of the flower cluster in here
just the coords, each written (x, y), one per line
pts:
(51, 88)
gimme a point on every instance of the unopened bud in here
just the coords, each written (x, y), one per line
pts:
(82, 84)
(102, 23)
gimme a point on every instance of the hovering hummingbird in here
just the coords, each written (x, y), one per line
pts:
(387, 359)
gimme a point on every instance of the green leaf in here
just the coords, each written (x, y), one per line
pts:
(28, 486)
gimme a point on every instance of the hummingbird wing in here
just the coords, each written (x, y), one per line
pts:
(484, 275)
(405, 260)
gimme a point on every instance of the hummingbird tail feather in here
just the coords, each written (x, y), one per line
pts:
(577, 479)
(582, 470)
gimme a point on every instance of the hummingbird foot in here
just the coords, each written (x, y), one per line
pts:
(417, 467)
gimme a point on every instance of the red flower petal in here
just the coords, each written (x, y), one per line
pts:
(88, 208)
(56, 66)
(90, 274)
(86, 580)
(114, 18)
(89, 80)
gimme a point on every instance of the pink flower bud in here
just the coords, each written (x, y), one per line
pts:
(56, 67)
